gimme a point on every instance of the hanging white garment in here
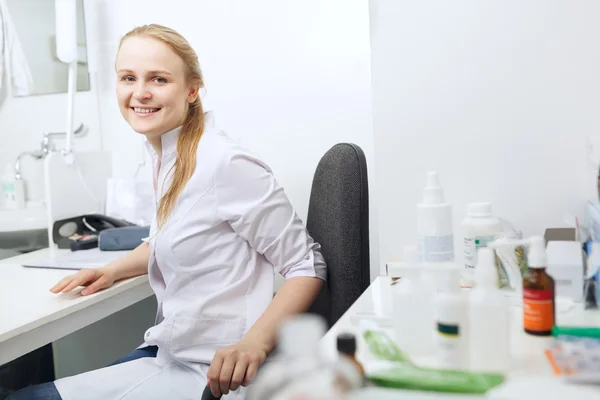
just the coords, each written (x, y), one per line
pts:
(15, 75)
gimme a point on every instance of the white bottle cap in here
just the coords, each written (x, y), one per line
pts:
(536, 257)
(300, 335)
(486, 274)
(480, 210)
(433, 192)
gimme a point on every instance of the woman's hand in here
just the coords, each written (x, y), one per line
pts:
(234, 366)
(93, 278)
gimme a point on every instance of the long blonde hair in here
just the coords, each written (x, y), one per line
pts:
(193, 125)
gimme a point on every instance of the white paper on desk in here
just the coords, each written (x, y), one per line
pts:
(93, 258)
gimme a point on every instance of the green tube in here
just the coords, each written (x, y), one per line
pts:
(395, 370)
(405, 376)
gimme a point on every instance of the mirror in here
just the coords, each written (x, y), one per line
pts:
(34, 22)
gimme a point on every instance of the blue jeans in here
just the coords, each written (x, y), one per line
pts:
(47, 391)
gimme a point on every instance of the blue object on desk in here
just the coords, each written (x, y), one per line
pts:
(123, 238)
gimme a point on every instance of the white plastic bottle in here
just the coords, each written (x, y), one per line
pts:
(452, 324)
(478, 229)
(488, 319)
(300, 369)
(435, 230)
(13, 190)
(413, 312)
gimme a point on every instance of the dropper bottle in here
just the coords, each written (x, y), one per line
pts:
(539, 314)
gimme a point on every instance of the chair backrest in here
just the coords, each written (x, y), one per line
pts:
(338, 219)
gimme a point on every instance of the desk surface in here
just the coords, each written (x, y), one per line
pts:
(31, 316)
(527, 356)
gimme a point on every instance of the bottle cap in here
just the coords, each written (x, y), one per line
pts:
(486, 274)
(536, 257)
(346, 343)
(480, 210)
(433, 192)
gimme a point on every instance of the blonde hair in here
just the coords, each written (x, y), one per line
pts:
(193, 125)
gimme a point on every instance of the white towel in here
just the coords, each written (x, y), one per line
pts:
(15, 76)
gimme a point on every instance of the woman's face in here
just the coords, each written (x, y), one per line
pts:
(152, 90)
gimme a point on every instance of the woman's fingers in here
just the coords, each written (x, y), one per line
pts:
(214, 372)
(226, 373)
(100, 283)
(238, 373)
(61, 284)
(70, 282)
(75, 282)
(250, 373)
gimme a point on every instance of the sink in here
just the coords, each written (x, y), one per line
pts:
(24, 230)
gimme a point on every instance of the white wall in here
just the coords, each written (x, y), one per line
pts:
(499, 96)
(290, 79)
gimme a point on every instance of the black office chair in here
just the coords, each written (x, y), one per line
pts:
(338, 219)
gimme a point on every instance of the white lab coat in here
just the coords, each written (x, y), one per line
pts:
(15, 76)
(212, 270)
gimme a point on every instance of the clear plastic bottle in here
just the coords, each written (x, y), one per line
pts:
(478, 229)
(413, 312)
(452, 319)
(299, 370)
(488, 319)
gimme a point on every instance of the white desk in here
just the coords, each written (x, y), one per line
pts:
(528, 360)
(31, 316)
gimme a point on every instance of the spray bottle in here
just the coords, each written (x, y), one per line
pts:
(539, 313)
(436, 238)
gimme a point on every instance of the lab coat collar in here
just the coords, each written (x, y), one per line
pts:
(169, 139)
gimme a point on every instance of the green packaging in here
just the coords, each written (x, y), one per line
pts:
(406, 376)
(384, 348)
(395, 370)
(583, 331)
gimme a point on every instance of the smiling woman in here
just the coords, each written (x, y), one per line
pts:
(223, 226)
(150, 97)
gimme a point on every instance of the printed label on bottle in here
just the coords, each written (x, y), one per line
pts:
(450, 345)
(538, 312)
(436, 248)
(471, 244)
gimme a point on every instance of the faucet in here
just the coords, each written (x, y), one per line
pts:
(46, 147)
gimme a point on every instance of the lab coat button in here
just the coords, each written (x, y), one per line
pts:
(307, 257)
(148, 334)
